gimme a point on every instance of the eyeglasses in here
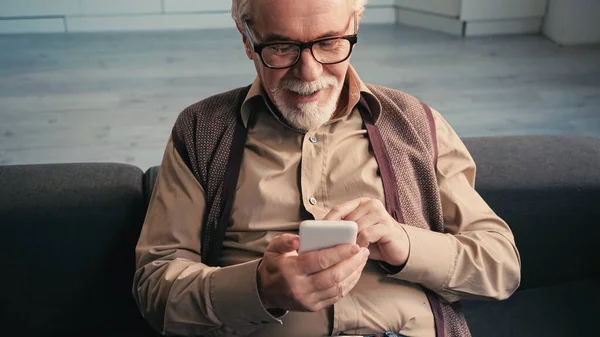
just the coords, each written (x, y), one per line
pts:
(281, 55)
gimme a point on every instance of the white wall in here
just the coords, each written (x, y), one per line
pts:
(36, 16)
(185, 6)
(450, 8)
(477, 10)
(474, 17)
(573, 21)
(380, 11)
(60, 16)
(95, 7)
(24, 8)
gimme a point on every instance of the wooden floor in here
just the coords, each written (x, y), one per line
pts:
(114, 97)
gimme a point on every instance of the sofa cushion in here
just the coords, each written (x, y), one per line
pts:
(567, 309)
(149, 180)
(547, 188)
(67, 256)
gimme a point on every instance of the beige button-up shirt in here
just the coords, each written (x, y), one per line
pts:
(288, 176)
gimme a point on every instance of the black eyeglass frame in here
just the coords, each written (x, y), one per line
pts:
(258, 47)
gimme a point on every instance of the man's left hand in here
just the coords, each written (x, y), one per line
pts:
(377, 230)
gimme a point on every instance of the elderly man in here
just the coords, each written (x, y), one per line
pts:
(217, 255)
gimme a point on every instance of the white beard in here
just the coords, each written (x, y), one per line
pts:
(307, 116)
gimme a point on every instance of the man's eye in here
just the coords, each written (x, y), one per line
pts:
(281, 48)
(329, 44)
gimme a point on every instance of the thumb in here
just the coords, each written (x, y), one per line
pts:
(284, 243)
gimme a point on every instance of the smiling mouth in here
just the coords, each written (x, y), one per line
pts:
(306, 97)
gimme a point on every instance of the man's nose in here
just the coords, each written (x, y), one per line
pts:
(308, 69)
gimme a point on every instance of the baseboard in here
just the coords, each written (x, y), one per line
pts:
(502, 27)
(379, 14)
(430, 21)
(149, 22)
(27, 26)
(382, 13)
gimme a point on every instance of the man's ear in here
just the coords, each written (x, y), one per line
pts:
(247, 47)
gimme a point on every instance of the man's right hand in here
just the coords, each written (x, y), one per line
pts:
(310, 281)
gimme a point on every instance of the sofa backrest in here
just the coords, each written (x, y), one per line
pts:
(547, 188)
(69, 233)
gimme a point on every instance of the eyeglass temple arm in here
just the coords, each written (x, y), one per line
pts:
(249, 34)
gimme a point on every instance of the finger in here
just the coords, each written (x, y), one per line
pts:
(375, 253)
(340, 211)
(359, 212)
(284, 243)
(334, 294)
(337, 274)
(370, 219)
(318, 260)
(366, 207)
(373, 234)
(344, 287)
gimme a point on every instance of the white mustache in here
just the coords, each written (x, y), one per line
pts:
(307, 88)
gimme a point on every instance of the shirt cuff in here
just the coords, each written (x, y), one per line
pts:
(235, 298)
(430, 261)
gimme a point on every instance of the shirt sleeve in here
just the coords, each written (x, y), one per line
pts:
(476, 257)
(175, 292)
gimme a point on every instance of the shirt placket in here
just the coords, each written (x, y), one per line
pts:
(312, 181)
(314, 195)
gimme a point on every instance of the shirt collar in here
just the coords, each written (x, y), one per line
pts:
(257, 97)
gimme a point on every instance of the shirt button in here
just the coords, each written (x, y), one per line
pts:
(313, 139)
(313, 201)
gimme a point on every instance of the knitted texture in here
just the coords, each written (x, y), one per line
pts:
(405, 131)
(203, 135)
(406, 134)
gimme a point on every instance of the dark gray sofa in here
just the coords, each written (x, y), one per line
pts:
(69, 232)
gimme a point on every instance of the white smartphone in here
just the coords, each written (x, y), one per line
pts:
(321, 234)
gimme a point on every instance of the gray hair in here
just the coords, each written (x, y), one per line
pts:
(241, 10)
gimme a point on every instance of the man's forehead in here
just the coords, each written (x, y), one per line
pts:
(299, 6)
(305, 19)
